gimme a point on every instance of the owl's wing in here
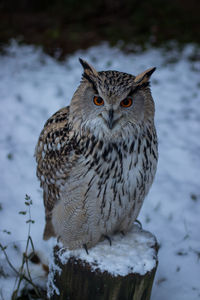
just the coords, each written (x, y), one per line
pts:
(55, 153)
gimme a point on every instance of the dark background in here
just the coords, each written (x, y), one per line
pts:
(69, 25)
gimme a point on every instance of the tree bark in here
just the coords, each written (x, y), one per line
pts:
(78, 280)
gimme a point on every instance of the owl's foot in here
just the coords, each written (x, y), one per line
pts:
(139, 223)
(108, 238)
(86, 249)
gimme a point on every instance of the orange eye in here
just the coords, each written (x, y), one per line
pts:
(98, 100)
(127, 102)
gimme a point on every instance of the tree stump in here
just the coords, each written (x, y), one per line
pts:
(123, 271)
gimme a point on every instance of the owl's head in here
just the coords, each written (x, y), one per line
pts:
(109, 102)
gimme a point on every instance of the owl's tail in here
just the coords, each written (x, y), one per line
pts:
(48, 230)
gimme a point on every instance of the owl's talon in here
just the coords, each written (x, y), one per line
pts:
(139, 223)
(108, 238)
(86, 249)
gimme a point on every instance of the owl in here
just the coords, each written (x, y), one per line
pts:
(97, 158)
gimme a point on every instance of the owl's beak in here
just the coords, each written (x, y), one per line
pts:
(110, 118)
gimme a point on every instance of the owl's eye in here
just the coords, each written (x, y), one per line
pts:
(98, 100)
(127, 102)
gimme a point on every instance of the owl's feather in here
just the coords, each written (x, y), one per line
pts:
(96, 164)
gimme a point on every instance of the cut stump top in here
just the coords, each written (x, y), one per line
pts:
(136, 252)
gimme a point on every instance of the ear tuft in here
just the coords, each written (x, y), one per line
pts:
(144, 76)
(89, 73)
(88, 69)
(84, 64)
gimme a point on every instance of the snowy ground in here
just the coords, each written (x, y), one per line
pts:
(33, 86)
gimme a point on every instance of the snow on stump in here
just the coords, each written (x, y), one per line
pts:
(122, 271)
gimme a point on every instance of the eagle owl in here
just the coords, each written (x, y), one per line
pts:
(97, 157)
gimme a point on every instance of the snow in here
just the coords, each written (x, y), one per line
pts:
(53, 268)
(33, 86)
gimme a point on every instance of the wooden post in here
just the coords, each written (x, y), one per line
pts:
(74, 275)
